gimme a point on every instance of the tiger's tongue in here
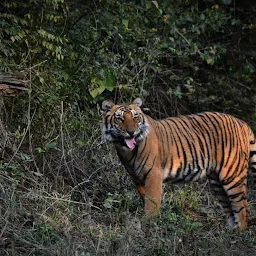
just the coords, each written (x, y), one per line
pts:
(130, 143)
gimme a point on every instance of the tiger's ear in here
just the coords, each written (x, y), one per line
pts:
(107, 105)
(137, 102)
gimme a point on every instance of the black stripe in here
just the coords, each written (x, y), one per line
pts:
(173, 140)
(110, 121)
(242, 198)
(201, 142)
(106, 121)
(235, 195)
(238, 183)
(192, 149)
(196, 153)
(223, 120)
(239, 210)
(235, 173)
(145, 176)
(220, 137)
(136, 153)
(252, 153)
(167, 144)
(231, 135)
(142, 163)
(134, 156)
(206, 135)
(216, 126)
(178, 133)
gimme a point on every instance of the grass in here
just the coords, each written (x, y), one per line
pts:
(81, 202)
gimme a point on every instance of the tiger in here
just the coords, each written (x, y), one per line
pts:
(211, 145)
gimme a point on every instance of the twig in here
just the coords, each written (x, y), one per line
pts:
(38, 64)
(67, 200)
(6, 220)
(25, 133)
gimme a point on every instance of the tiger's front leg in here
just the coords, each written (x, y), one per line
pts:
(142, 191)
(153, 192)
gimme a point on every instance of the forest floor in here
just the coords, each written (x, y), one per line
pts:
(93, 209)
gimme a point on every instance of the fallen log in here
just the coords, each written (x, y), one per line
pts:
(13, 84)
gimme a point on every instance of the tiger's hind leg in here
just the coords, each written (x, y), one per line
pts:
(222, 196)
(237, 195)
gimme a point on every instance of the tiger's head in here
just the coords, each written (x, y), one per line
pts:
(124, 125)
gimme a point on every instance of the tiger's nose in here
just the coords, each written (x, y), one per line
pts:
(130, 132)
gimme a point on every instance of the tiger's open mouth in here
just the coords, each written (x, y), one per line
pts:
(130, 142)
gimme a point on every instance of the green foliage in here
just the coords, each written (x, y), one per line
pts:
(45, 233)
(105, 80)
(179, 209)
(12, 170)
(93, 52)
(186, 199)
(117, 201)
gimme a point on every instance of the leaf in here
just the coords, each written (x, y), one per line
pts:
(202, 16)
(41, 79)
(109, 80)
(97, 91)
(51, 145)
(164, 45)
(104, 81)
(40, 150)
(178, 92)
(157, 6)
(209, 60)
(148, 5)
(24, 157)
(125, 23)
(38, 174)
(107, 204)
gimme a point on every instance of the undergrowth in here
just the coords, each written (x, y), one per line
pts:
(83, 203)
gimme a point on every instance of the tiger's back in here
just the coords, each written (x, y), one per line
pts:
(200, 145)
(213, 145)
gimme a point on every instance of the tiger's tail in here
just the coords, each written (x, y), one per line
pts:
(252, 168)
(252, 161)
